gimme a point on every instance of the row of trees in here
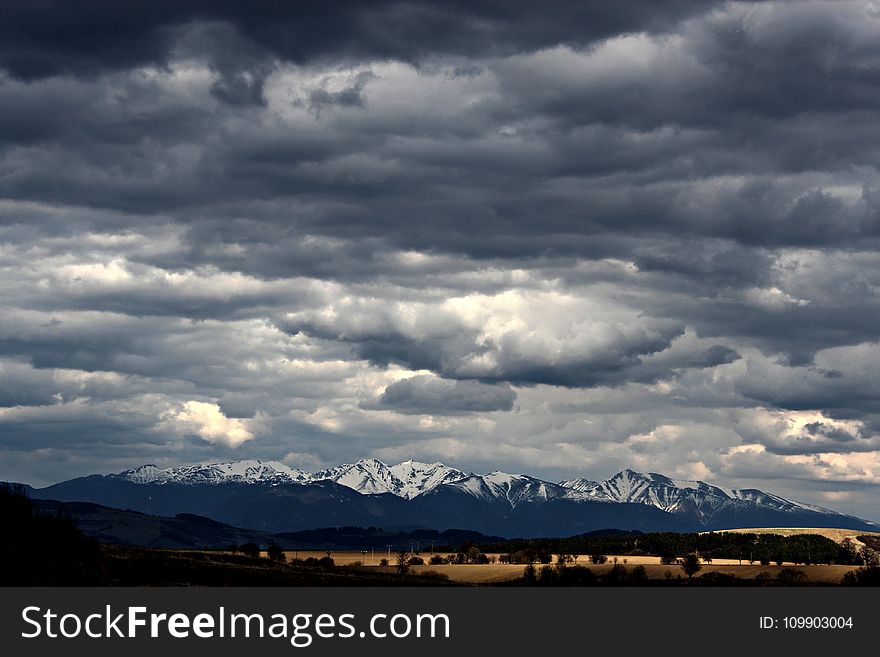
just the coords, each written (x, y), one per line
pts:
(274, 552)
(671, 546)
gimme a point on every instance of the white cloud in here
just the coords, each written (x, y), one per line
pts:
(207, 421)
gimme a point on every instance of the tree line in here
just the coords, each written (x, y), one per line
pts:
(672, 546)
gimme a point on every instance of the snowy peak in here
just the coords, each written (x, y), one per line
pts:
(408, 479)
(367, 476)
(706, 503)
(580, 484)
(416, 478)
(681, 495)
(510, 488)
(247, 472)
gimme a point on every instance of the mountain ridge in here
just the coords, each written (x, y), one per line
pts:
(417, 494)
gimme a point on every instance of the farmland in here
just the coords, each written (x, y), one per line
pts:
(494, 573)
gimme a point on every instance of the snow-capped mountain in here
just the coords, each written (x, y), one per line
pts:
(513, 489)
(268, 494)
(417, 477)
(681, 495)
(407, 479)
(692, 503)
(367, 476)
(247, 472)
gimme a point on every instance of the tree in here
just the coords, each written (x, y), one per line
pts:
(869, 557)
(639, 574)
(667, 558)
(849, 551)
(690, 564)
(402, 563)
(617, 575)
(563, 559)
(869, 576)
(249, 549)
(275, 553)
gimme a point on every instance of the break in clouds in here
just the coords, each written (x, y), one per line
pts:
(558, 240)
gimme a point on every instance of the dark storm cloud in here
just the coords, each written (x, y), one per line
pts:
(52, 37)
(706, 157)
(651, 228)
(428, 395)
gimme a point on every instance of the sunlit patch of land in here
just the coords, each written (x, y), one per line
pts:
(494, 573)
(836, 535)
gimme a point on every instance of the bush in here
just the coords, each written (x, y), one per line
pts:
(275, 553)
(598, 558)
(791, 575)
(617, 575)
(415, 561)
(565, 576)
(869, 576)
(690, 564)
(638, 574)
(437, 560)
(249, 549)
(718, 579)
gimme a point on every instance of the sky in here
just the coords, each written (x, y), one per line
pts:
(560, 239)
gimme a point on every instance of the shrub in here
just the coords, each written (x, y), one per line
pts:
(869, 576)
(638, 574)
(690, 564)
(275, 553)
(791, 576)
(249, 549)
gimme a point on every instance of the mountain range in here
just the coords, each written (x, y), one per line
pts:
(270, 496)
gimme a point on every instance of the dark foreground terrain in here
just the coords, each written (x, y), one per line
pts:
(42, 547)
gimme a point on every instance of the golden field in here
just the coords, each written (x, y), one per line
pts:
(498, 572)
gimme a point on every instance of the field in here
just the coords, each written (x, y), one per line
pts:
(498, 572)
(836, 535)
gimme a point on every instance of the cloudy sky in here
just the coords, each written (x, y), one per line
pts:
(560, 240)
